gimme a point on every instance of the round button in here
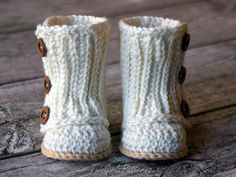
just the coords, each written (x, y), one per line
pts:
(42, 48)
(185, 41)
(182, 75)
(44, 115)
(47, 84)
(185, 109)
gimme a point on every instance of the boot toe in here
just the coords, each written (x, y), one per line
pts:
(83, 139)
(155, 138)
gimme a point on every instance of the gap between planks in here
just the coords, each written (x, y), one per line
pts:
(29, 65)
(112, 9)
(210, 153)
(202, 106)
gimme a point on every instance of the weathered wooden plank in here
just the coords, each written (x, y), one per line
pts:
(17, 15)
(21, 20)
(210, 84)
(224, 6)
(19, 53)
(227, 173)
(212, 141)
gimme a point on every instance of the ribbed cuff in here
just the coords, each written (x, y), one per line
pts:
(69, 24)
(148, 25)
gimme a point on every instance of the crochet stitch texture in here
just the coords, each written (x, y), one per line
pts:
(151, 58)
(75, 63)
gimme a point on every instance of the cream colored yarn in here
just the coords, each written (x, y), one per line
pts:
(151, 58)
(75, 64)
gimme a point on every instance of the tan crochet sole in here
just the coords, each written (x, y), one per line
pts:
(72, 156)
(153, 156)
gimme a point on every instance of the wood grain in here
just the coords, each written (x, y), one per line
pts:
(18, 49)
(22, 11)
(209, 88)
(211, 152)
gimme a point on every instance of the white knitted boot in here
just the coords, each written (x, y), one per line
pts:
(152, 53)
(74, 117)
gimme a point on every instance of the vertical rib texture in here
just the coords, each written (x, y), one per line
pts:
(75, 63)
(151, 58)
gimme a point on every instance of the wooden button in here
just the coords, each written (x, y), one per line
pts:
(185, 42)
(47, 84)
(182, 75)
(185, 109)
(44, 115)
(42, 48)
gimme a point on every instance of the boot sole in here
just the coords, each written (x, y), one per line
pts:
(75, 156)
(153, 156)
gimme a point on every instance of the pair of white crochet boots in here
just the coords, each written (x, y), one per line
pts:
(74, 117)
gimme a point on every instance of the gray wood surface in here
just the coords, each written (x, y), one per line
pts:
(211, 153)
(23, 59)
(210, 88)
